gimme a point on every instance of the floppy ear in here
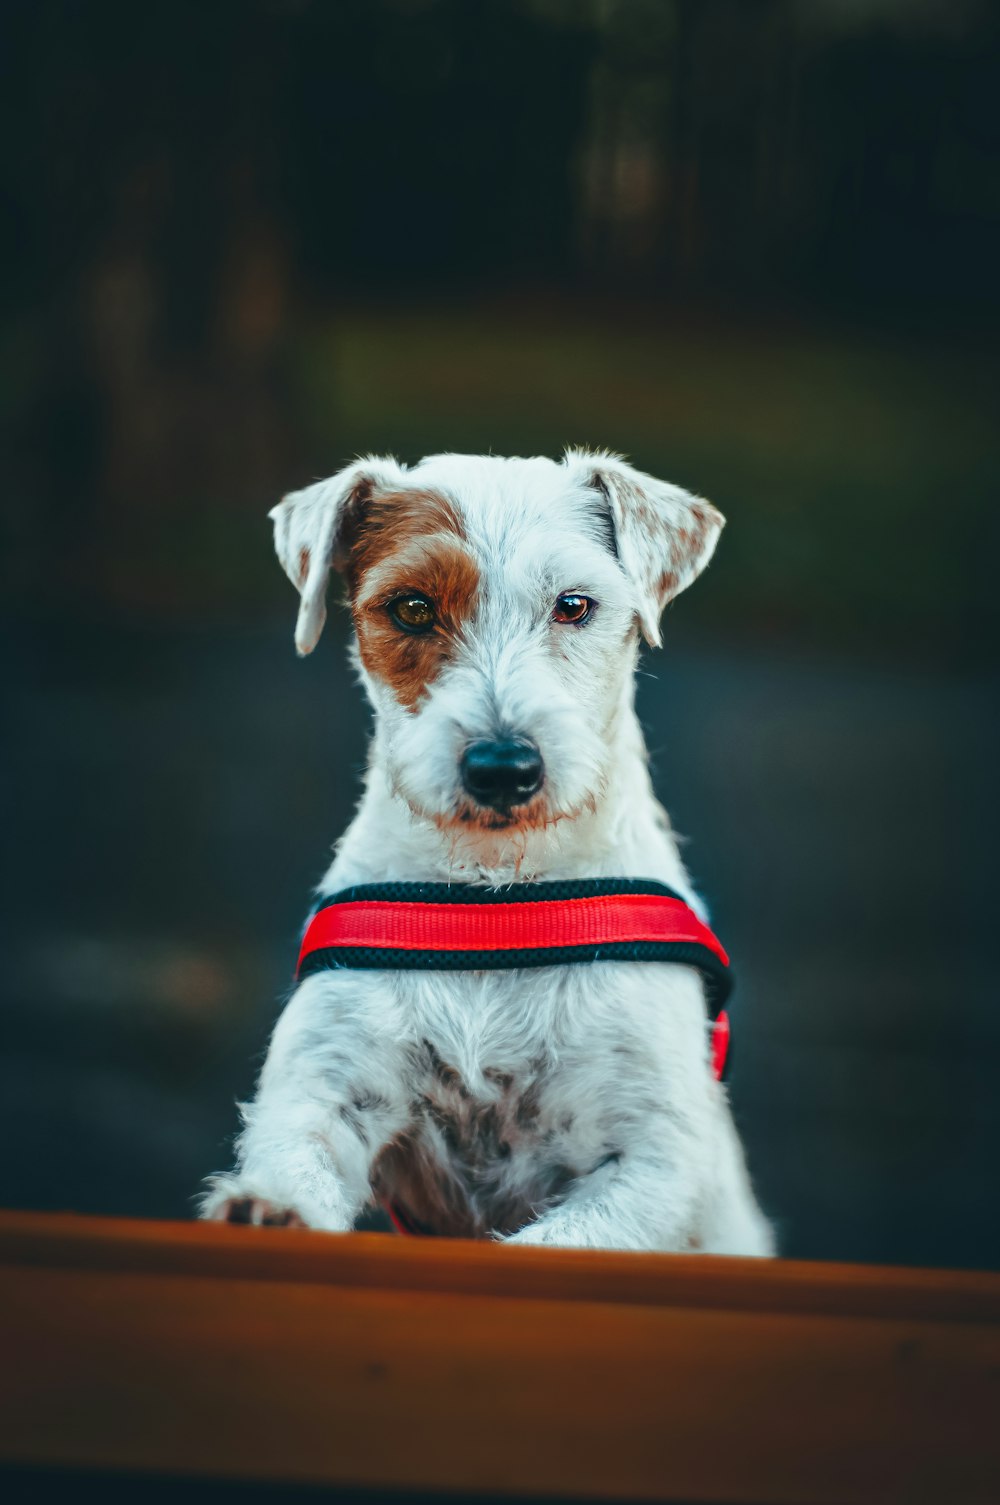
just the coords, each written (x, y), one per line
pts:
(664, 535)
(309, 527)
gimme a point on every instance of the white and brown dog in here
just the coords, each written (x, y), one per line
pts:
(497, 606)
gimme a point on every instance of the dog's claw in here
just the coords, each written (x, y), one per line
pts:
(284, 1217)
(240, 1211)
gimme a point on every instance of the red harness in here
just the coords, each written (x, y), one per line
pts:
(438, 927)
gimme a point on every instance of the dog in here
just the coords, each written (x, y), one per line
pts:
(498, 606)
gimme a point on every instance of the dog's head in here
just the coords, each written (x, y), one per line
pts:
(497, 604)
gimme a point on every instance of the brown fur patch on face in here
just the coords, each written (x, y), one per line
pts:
(408, 541)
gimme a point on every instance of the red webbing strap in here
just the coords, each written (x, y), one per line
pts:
(720, 1045)
(402, 1221)
(410, 926)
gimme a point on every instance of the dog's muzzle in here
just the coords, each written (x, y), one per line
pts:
(502, 774)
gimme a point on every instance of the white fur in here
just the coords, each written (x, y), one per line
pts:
(563, 1105)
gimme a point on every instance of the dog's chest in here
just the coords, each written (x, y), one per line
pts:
(481, 1155)
(489, 1127)
(502, 1120)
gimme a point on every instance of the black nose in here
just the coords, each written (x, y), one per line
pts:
(502, 774)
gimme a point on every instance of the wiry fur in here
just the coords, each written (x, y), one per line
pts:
(562, 1105)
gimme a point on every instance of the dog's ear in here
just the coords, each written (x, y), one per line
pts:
(310, 531)
(664, 536)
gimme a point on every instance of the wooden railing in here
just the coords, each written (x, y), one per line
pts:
(369, 1361)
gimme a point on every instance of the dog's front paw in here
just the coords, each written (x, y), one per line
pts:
(257, 1210)
(567, 1228)
(539, 1234)
(228, 1202)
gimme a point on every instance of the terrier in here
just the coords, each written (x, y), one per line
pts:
(497, 608)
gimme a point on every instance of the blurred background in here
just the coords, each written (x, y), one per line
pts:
(754, 246)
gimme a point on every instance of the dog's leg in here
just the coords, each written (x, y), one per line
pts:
(632, 1202)
(659, 1190)
(653, 1201)
(295, 1168)
(330, 1098)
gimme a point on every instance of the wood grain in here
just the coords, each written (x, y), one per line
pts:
(209, 1351)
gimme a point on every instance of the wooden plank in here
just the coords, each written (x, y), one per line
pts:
(370, 1361)
(143, 1246)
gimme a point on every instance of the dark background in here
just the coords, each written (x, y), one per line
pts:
(752, 245)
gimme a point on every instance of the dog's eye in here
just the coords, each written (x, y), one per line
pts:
(412, 612)
(572, 608)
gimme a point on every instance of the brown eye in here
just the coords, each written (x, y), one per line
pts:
(412, 612)
(572, 609)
